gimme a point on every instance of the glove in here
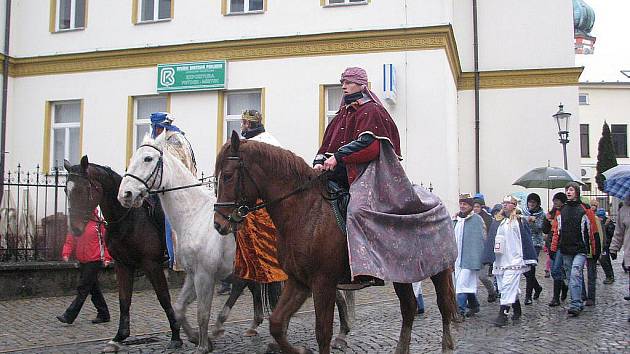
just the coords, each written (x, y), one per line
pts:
(613, 255)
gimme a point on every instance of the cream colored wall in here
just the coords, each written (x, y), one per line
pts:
(202, 21)
(517, 134)
(516, 34)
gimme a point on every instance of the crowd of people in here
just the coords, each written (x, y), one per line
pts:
(506, 242)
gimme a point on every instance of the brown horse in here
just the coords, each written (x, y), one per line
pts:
(311, 248)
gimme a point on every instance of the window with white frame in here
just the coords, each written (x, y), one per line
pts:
(155, 10)
(143, 107)
(345, 2)
(333, 98)
(583, 98)
(245, 6)
(66, 132)
(70, 15)
(235, 103)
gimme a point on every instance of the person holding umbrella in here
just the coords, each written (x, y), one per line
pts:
(622, 234)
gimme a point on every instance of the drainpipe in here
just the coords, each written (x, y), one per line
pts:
(5, 91)
(476, 54)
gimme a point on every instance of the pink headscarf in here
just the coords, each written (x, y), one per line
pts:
(358, 76)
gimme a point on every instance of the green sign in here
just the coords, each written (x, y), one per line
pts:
(205, 75)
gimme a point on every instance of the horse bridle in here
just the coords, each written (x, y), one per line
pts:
(158, 169)
(87, 213)
(241, 206)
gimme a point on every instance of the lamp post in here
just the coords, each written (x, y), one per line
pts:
(562, 119)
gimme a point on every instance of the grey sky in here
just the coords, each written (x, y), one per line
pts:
(612, 48)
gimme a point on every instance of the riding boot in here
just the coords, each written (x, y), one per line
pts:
(502, 318)
(564, 292)
(557, 287)
(516, 317)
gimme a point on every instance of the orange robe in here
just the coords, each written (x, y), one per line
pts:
(256, 253)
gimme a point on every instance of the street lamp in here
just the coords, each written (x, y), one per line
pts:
(562, 118)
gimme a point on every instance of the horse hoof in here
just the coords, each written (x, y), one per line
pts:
(339, 343)
(112, 347)
(250, 333)
(194, 339)
(217, 333)
(174, 344)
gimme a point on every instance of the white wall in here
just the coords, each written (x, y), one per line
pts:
(516, 34)
(201, 21)
(517, 134)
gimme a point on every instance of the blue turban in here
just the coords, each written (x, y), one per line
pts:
(162, 120)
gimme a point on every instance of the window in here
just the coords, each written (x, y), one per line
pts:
(143, 107)
(245, 6)
(235, 103)
(619, 133)
(587, 187)
(66, 132)
(155, 10)
(71, 15)
(333, 96)
(343, 2)
(583, 99)
(584, 140)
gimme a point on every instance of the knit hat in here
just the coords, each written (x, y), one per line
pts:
(466, 198)
(252, 115)
(495, 209)
(480, 199)
(535, 197)
(560, 196)
(601, 212)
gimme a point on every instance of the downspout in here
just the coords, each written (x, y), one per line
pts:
(476, 54)
(5, 94)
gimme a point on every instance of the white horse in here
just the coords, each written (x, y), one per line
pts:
(205, 255)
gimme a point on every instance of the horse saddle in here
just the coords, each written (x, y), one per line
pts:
(339, 198)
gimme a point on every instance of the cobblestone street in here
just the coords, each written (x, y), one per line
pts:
(29, 326)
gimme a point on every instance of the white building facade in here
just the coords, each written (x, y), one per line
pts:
(83, 79)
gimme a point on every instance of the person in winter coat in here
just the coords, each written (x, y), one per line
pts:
(550, 227)
(514, 253)
(621, 238)
(608, 227)
(92, 254)
(578, 240)
(479, 207)
(535, 217)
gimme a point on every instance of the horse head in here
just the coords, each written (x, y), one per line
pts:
(144, 174)
(84, 194)
(236, 190)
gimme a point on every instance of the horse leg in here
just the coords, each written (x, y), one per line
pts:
(324, 294)
(186, 296)
(158, 281)
(125, 291)
(256, 290)
(445, 294)
(408, 308)
(293, 296)
(344, 321)
(204, 287)
(238, 285)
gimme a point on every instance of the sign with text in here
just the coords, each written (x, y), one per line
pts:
(198, 76)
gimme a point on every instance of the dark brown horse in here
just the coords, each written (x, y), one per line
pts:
(135, 238)
(311, 248)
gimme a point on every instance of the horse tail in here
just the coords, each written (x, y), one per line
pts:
(270, 295)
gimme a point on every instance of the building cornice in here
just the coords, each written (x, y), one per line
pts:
(521, 78)
(605, 85)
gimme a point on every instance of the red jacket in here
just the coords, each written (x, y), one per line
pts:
(87, 246)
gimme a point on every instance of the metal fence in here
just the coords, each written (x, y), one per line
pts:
(32, 215)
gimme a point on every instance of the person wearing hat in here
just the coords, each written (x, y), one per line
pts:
(179, 146)
(360, 131)
(578, 241)
(470, 233)
(550, 227)
(535, 217)
(608, 228)
(479, 207)
(514, 253)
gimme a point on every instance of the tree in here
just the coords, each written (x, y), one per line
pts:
(605, 156)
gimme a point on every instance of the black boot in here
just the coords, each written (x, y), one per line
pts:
(502, 318)
(557, 287)
(565, 291)
(516, 317)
